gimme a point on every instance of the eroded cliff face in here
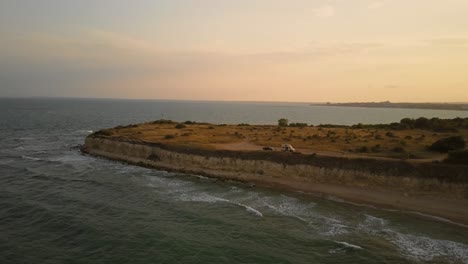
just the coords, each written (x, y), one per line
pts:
(423, 194)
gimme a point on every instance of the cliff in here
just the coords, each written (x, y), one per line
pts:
(430, 188)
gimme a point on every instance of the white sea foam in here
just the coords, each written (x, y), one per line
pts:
(334, 229)
(348, 245)
(207, 198)
(70, 159)
(84, 131)
(413, 246)
(250, 209)
(372, 224)
(426, 249)
(339, 200)
(283, 212)
(30, 158)
(201, 197)
(437, 218)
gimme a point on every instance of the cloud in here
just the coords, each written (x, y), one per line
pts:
(376, 5)
(325, 11)
(449, 41)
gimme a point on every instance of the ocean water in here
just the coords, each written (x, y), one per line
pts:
(59, 206)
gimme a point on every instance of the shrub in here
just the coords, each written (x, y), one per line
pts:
(180, 126)
(283, 122)
(398, 149)
(301, 125)
(163, 121)
(169, 136)
(154, 157)
(399, 126)
(390, 134)
(408, 122)
(422, 123)
(362, 149)
(448, 144)
(104, 132)
(376, 148)
(457, 157)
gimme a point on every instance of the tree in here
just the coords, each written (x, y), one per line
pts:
(448, 144)
(283, 122)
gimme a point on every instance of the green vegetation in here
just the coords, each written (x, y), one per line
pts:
(448, 144)
(377, 141)
(104, 132)
(422, 123)
(283, 122)
(458, 157)
(163, 121)
(298, 125)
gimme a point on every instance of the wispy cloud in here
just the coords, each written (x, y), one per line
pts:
(449, 41)
(325, 11)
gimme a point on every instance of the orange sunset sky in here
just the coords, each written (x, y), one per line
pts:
(255, 50)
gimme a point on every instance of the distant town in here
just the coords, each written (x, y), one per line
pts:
(388, 104)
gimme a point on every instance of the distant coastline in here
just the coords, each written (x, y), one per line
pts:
(387, 104)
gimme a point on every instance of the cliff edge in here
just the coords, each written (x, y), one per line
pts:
(436, 189)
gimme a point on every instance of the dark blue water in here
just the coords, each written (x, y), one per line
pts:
(58, 206)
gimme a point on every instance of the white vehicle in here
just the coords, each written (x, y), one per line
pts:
(287, 147)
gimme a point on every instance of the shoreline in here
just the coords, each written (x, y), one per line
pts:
(440, 198)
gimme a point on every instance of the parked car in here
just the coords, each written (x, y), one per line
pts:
(287, 147)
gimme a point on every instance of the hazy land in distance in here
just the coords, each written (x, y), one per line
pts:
(387, 104)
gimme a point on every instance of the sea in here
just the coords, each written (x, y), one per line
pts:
(60, 206)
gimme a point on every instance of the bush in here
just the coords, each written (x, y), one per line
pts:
(448, 144)
(180, 126)
(362, 149)
(169, 136)
(398, 149)
(301, 125)
(283, 122)
(457, 157)
(390, 134)
(376, 148)
(104, 132)
(163, 121)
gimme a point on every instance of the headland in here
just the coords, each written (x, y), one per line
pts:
(392, 166)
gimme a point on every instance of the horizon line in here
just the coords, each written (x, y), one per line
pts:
(215, 100)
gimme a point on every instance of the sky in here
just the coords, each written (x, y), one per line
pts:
(236, 50)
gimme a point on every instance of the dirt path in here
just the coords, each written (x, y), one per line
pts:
(249, 146)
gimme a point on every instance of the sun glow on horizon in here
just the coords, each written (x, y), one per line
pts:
(257, 50)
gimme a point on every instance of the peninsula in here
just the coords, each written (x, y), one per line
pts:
(387, 104)
(415, 165)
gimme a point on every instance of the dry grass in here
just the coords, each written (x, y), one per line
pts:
(333, 141)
